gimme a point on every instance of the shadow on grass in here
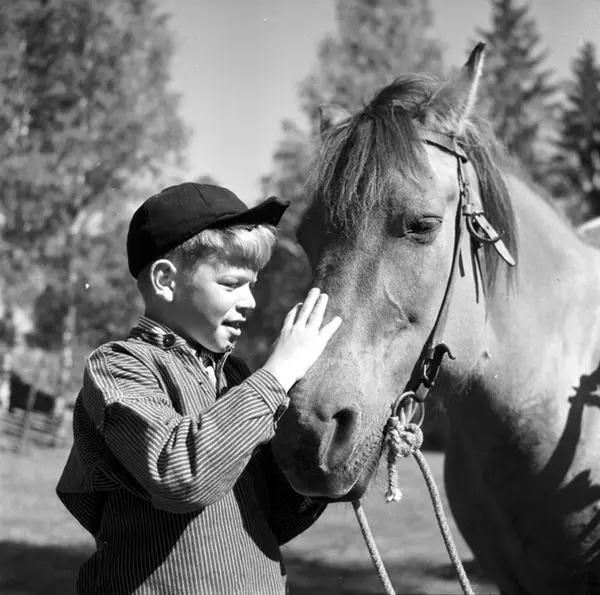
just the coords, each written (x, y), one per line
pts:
(28, 569)
(411, 576)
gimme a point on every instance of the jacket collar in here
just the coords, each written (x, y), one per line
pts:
(162, 336)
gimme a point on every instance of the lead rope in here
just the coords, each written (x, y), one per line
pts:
(404, 439)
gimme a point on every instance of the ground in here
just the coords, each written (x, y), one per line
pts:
(41, 546)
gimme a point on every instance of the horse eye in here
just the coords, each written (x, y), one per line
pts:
(424, 228)
(425, 225)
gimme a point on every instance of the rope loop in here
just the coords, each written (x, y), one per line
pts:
(402, 440)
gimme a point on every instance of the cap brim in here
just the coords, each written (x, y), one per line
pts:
(268, 212)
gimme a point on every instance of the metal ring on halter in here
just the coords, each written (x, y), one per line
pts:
(416, 413)
(474, 233)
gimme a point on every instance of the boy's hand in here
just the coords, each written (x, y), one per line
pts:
(302, 340)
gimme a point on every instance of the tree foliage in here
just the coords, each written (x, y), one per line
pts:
(105, 296)
(87, 118)
(517, 90)
(90, 112)
(376, 41)
(578, 160)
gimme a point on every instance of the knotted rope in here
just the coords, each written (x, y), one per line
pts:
(403, 439)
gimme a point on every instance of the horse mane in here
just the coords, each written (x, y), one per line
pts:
(350, 180)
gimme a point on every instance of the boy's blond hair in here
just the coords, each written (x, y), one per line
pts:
(249, 245)
(239, 245)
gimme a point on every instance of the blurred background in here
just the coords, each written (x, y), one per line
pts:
(104, 103)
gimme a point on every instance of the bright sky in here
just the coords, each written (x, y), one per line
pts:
(238, 64)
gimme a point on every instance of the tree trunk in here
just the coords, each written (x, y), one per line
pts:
(67, 343)
(69, 329)
(65, 371)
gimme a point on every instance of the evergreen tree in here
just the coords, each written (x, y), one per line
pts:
(579, 156)
(376, 41)
(517, 90)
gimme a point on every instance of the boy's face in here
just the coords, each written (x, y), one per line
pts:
(211, 300)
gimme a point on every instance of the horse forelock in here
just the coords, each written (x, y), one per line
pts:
(350, 178)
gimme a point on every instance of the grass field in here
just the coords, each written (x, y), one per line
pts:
(41, 546)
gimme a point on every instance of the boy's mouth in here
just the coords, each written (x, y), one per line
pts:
(234, 324)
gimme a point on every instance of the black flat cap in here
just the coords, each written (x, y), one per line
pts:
(179, 212)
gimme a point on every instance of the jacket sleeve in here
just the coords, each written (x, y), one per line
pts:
(183, 463)
(290, 512)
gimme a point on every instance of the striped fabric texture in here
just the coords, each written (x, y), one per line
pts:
(178, 486)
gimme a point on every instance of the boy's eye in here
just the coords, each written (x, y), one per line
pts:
(237, 281)
(236, 284)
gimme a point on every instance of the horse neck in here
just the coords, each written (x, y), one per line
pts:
(543, 333)
(558, 278)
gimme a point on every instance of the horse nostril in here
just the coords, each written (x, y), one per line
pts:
(346, 421)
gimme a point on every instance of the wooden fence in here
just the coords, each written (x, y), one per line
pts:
(21, 427)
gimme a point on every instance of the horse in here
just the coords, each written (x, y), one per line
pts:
(456, 280)
(590, 231)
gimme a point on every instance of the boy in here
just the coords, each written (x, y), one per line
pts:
(171, 470)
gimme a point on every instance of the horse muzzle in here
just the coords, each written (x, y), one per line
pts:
(326, 459)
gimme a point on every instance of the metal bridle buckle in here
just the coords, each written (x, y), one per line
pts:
(433, 363)
(476, 221)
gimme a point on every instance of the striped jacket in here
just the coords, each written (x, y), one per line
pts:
(178, 487)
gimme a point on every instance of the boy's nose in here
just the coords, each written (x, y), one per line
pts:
(247, 301)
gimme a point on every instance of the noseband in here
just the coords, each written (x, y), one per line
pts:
(481, 231)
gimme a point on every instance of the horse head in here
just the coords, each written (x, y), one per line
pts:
(383, 236)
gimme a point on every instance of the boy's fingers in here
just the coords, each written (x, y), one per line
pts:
(329, 329)
(316, 316)
(308, 305)
(290, 317)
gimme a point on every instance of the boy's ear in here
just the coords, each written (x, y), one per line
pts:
(162, 279)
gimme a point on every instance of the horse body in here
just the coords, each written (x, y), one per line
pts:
(522, 470)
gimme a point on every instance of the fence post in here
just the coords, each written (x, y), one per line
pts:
(7, 358)
(5, 375)
(26, 423)
(59, 424)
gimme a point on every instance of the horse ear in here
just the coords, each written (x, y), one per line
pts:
(461, 91)
(331, 115)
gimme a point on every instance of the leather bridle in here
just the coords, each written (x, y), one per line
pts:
(481, 231)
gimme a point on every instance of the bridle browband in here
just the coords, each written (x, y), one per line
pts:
(481, 231)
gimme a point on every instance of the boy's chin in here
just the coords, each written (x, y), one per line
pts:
(223, 344)
(214, 344)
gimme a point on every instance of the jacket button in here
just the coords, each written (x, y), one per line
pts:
(169, 340)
